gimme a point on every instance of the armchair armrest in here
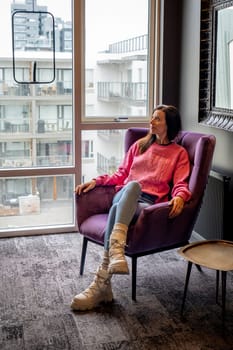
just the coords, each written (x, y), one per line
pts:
(154, 230)
(151, 223)
(96, 201)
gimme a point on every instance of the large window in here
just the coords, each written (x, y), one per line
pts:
(55, 135)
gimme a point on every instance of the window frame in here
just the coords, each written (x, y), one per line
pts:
(152, 72)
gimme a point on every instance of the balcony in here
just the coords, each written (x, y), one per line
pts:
(135, 93)
(105, 165)
(10, 127)
(55, 89)
(12, 89)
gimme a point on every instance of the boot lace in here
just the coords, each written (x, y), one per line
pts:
(117, 249)
(96, 286)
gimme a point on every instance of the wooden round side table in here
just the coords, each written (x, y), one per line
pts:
(213, 254)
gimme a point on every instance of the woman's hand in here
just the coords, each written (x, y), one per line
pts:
(87, 186)
(177, 205)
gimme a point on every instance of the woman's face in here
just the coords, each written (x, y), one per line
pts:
(158, 125)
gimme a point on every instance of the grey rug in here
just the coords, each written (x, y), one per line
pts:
(39, 276)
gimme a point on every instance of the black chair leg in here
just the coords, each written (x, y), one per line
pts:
(83, 255)
(134, 277)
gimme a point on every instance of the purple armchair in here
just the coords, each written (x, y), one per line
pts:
(150, 231)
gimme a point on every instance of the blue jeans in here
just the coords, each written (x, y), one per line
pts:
(124, 206)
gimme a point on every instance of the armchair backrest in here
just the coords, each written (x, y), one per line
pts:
(200, 148)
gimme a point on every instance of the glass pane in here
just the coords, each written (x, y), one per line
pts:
(116, 61)
(37, 201)
(102, 152)
(36, 120)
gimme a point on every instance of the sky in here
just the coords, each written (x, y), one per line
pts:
(120, 20)
(59, 8)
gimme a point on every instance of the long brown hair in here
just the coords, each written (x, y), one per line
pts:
(173, 121)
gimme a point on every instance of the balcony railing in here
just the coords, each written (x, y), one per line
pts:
(10, 88)
(105, 165)
(13, 162)
(51, 160)
(10, 127)
(54, 160)
(133, 44)
(108, 134)
(42, 126)
(56, 88)
(135, 92)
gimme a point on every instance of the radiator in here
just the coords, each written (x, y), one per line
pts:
(214, 216)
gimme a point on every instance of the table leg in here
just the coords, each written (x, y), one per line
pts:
(189, 268)
(224, 280)
(217, 285)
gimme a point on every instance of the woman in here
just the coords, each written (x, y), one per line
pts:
(146, 173)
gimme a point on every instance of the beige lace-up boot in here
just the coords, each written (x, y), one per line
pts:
(99, 291)
(118, 263)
